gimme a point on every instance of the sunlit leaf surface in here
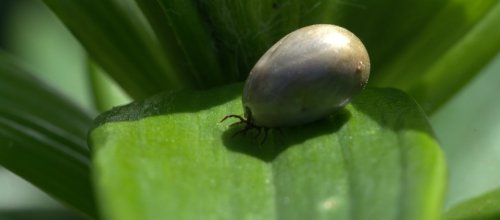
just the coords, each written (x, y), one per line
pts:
(169, 157)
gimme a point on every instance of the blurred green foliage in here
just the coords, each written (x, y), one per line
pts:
(429, 48)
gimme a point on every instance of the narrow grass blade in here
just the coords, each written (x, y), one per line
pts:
(42, 138)
(118, 43)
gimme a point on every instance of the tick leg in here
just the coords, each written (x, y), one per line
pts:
(233, 116)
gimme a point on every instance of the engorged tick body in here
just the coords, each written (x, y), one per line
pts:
(307, 75)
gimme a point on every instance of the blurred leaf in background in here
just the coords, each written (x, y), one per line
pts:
(484, 207)
(43, 137)
(37, 37)
(34, 34)
(429, 48)
(414, 46)
(20, 200)
(468, 127)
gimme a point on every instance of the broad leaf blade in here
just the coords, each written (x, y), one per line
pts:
(484, 207)
(168, 157)
(42, 137)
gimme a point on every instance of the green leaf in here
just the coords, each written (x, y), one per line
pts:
(117, 40)
(446, 53)
(423, 47)
(484, 207)
(467, 127)
(169, 157)
(107, 93)
(185, 38)
(43, 137)
(243, 31)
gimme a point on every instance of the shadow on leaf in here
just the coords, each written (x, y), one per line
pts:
(392, 109)
(278, 141)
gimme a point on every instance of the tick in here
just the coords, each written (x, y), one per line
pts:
(307, 75)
